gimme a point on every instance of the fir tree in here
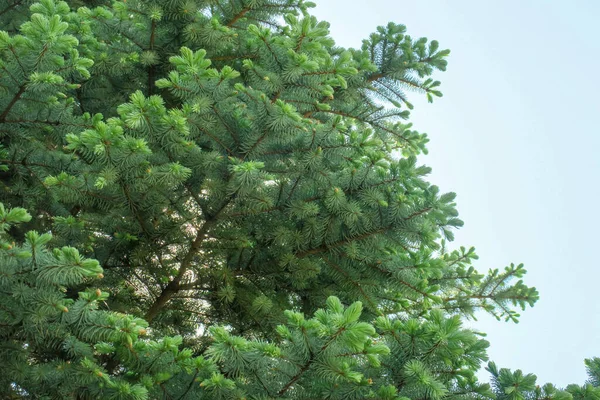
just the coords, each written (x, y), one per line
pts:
(72, 347)
(235, 207)
(508, 385)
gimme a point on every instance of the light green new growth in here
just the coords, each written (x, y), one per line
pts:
(211, 200)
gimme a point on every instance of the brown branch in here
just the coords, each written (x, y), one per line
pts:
(174, 285)
(10, 75)
(501, 281)
(306, 150)
(300, 40)
(356, 284)
(227, 127)
(342, 242)
(258, 141)
(295, 377)
(310, 199)
(37, 121)
(238, 16)
(414, 288)
(10, 105)
(24, 163)
(16, 3)
(132, 40)
(12, 50)
(339, 243)
(229, 151)
(189, 387)
(227, 58)
(394, 91)
(372, 123)
(306, 366)
(375, 77)
(331, 72)
(272, 52)
(483, 297)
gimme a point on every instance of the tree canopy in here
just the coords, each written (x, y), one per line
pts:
(211, 200)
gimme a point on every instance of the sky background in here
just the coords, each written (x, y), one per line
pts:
(516, 136)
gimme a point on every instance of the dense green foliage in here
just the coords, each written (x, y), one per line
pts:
(227, 205)
(516, 385)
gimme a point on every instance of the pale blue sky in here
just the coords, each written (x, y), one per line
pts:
(516, 136)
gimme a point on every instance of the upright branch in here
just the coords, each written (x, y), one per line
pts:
(174, 286)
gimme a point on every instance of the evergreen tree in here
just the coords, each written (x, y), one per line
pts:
(508, 385)
(73, 347)
(224, 190)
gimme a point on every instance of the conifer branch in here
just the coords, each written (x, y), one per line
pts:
(342, 242)
(24, 162)
(213, 137)
(262, 383)
(414, 288)
(174, 286)
(353, 282)
(393, 90)
(272, 52)
(500, 282)
(134, 208)
(44, 122)
(375, 77)
(483, 297)
(12, 50)
(295, 378)
(189, 387)
(363, 236)
(13, 101)
(310, 361)
(10, 7)
(151, 68)
(132, 40)
(8, 73)
(258, 142)
(238, 16)
(233, 134)
(299, 42)
(233, 57)
(372, 123)
(313, 198)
